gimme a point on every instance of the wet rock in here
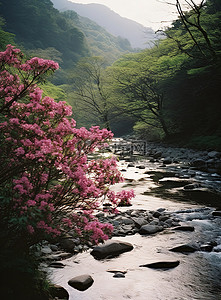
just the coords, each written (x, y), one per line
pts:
(216, 213)
(119, 275)
(130, 165)
(68, 244)
(206, 247)
(150, 229)
(167, 161)
(54, 247)
(184, 228)
(214, 154)
(198, 163)
(46, 250)
(82, 282)
(111, 249)
(58, 292)
(164, 218)
(116, 271)
(192, 186)
(217, 248)
(158, 154)
(57, 265)
(184, 248)
(156, 214)
(139, 222)
(162, 265)
(59, 256)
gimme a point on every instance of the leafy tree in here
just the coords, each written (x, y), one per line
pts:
(90, 91)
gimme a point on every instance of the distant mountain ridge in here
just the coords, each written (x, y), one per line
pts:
(138, 35)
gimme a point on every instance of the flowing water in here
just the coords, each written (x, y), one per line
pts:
(198, 276)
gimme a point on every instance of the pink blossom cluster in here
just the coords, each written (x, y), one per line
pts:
(13, 87)
(44, 158)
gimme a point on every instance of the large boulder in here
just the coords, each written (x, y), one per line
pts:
(110, 249)
(82, 282)
(150, 229)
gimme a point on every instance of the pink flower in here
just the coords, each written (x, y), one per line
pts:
(30, 229)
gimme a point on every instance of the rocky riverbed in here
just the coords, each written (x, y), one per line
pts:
(166, 246)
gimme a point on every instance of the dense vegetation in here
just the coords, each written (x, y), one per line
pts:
(171, 90)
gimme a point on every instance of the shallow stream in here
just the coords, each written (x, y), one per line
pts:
(198, 276)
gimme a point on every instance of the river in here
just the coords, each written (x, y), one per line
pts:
(198, 276)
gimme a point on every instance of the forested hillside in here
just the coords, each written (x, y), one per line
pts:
(138, 35)
(38, 25)
(173, 89)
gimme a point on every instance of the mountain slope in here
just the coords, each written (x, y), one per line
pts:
(99, 41)
(138, 35)
(37, 24)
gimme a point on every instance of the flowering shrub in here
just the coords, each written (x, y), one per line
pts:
(47, 182)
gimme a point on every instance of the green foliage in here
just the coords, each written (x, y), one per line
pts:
(53, 91)
(175, 84)
(100, 42)
(37, 24)
(5, 37)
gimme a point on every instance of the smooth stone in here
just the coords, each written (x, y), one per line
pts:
(184, 228)
(150, 229)
(184, 249)
(139, 222)
(58, 265)
(191, 186)
(162, 265)
(116, 271)
(206, 247)
(58, 292)
(68, 244)
(216, 213)
(82, 282)
(111, 248)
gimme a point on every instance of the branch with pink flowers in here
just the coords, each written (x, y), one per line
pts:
(47, 183)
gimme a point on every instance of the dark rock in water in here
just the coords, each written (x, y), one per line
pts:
(119, 275)
(198, 163)
(150, 229)
(162, 265)
(130, 165)
(141, 167)
(184, 228)
(58, 292)
(167, 161)
(216, 213)
(192, 186)
(82, 282)
(111, 249)
(58, 265)
(116, 271)
(156, 214)
(185, 249)
(206, 247)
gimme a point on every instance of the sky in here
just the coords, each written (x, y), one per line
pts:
(150, 13)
